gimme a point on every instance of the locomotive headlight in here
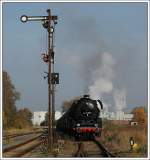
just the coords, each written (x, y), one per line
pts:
(24, 18)
(96, 125)
(78, 124)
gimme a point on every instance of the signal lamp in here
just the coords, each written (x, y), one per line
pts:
(24, 18)
(131, 141)
(45, 24)
(51, 29)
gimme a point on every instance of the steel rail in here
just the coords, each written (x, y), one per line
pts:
(8, 149)
(104, 153)
(17, 135)
(27, 150)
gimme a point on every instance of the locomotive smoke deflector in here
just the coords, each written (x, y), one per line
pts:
(101, 104)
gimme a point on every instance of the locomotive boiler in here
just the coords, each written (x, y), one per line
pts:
(82, 120)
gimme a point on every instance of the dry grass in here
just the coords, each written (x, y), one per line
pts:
(18, 131)
(114, 137)
(117, 137)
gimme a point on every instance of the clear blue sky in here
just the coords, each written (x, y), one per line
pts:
(83, 29)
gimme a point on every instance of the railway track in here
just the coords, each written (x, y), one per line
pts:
(18, 150)
(17, 135)
(102, 152)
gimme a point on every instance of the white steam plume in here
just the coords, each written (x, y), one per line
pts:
(102, 76)
(101, 71)
(99, 87)
(120, 99)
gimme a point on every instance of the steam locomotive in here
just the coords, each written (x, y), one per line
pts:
(82, 120)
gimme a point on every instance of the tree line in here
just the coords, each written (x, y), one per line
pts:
(13, 117)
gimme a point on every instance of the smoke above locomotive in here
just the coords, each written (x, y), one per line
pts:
(101, 80)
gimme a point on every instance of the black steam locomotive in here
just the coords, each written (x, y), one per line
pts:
(82, 121)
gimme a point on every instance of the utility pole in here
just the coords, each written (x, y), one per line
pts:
(49, 23)
(50, 121)
(53, 88)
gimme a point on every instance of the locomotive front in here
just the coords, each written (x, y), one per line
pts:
(87, 119)
(82, 121)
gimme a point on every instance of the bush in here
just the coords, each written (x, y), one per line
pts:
(142, 149)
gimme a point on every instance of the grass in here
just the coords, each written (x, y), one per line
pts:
(12, 131)
(18, 131)
(117, 137)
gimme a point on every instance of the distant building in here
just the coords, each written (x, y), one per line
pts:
(133, 123)
(118, 115)
(128, 117)
(39, 116)
(57, 115)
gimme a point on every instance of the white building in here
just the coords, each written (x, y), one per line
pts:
(119, 115)
(39, 117)
(128, 117)
(57, 115)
